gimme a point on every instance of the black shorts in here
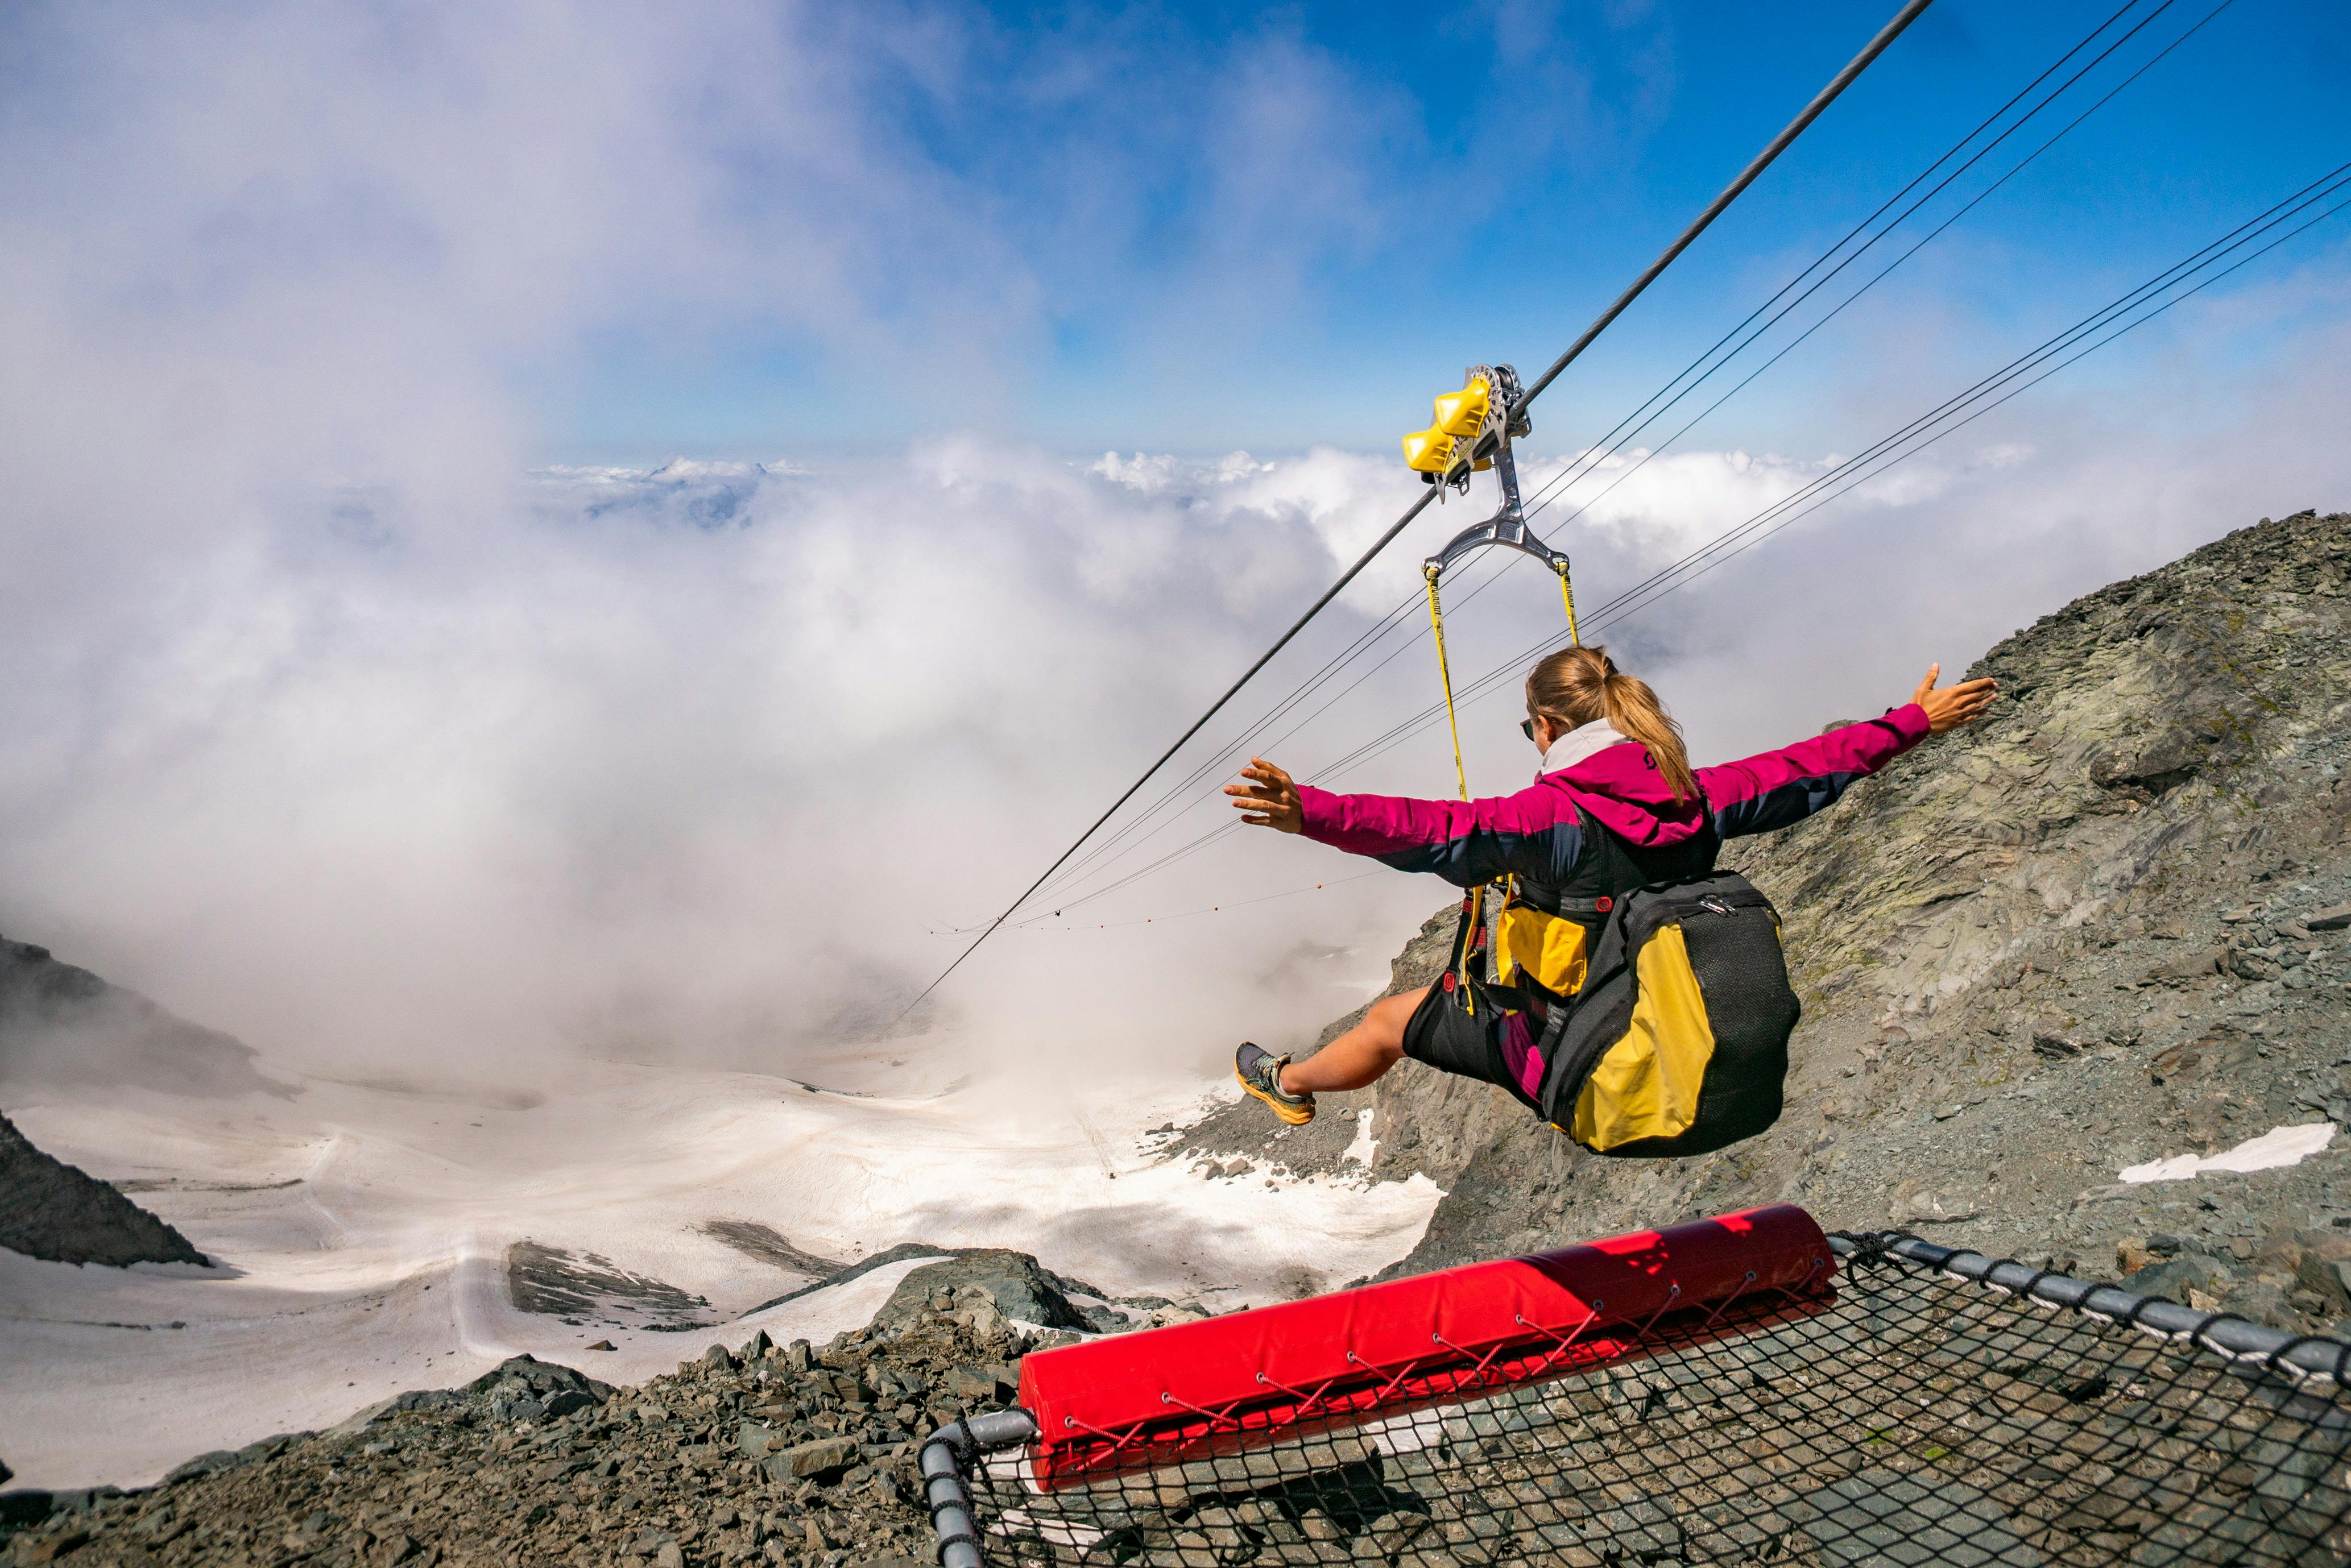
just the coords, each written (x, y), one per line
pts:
(1492, 1046)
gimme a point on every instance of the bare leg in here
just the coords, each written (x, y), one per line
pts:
(1360, 1056)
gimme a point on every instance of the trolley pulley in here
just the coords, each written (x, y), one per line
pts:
(1472, 433)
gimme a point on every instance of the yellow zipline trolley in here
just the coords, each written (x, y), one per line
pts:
(1472, 433)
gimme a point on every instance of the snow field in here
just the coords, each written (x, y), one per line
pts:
(362, 1231)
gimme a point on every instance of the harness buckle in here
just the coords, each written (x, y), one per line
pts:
(1714, 903)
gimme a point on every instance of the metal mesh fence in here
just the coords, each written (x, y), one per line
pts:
(1921, 1419)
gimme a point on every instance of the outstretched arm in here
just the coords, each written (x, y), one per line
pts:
(1464, 842)
(1775, 789)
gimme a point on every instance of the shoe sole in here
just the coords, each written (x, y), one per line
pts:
(1296, 1115)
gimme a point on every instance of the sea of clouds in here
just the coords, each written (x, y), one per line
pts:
(336, 716)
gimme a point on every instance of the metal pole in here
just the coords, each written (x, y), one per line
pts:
(2237, 1337)
(944, 1458)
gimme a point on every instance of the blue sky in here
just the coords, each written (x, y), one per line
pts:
(1219, 227)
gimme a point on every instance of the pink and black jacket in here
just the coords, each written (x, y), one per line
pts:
(1543, 838)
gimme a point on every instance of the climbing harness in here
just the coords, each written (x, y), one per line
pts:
(1472, 434)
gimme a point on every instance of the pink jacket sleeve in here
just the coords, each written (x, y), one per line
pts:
(1464, 841)
(1758, 793)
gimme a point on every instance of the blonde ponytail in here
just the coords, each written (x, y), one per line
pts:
(1577, 685)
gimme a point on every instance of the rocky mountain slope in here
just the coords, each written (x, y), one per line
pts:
(2105, 927)
(2110, 925)
(56, 1212)
(794, 1454)
(63, 1027)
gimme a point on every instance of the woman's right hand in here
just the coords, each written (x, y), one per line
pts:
(1953, 705)
(1270, 799)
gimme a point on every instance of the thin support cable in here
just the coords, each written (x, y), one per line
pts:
(1727, 544)
(1747, 176)
(1909, 13)
(1544, 498)
(1587, 461)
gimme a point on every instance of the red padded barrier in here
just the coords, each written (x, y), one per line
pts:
(1123, 1399)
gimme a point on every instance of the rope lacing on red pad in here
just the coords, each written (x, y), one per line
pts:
(1510, 1362)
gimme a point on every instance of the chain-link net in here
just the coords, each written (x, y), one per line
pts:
(1919, 1420)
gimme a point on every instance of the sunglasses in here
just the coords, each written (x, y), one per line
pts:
(1527, 728)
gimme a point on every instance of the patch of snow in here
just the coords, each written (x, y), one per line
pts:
(1366, 1145)
(2276, 1147)
(1059, 1531)
(1400, 1435)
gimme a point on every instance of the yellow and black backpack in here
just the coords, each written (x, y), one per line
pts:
(1677, 1041)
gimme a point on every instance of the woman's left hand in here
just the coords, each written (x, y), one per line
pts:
(1953, 706)
(1270, 799)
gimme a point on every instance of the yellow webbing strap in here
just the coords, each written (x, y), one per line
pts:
(1445, 672)
(1567, 597)
(1461, 777)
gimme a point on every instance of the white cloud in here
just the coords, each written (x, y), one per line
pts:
(694, 759)
(331, 722)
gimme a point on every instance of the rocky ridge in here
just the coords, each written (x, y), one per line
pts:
(59, 1213)
(63, 1027)
(2109, 925)
(798, 1455)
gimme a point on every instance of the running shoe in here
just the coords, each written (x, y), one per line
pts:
(1261, 1074)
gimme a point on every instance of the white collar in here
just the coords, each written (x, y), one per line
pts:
(1583, 741)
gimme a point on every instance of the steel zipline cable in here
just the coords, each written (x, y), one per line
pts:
(1543, 498)
(1133, 833)
(1909, 13)
(1651, 407)
(1213, 764)
(2018, 376)
(2011, 381)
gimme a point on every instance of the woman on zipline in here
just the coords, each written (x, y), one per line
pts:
(1614, 805)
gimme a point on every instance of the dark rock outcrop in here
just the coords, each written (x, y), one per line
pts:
(586, 1287)
(61, 1026)
(1014, 1282)
(2090, 932)
(1011, 1282)
(797, 1454)
(769, 1245)
(56, 1212)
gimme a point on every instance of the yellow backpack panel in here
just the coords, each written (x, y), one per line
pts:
(1547, 948)
(1647, 1084)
